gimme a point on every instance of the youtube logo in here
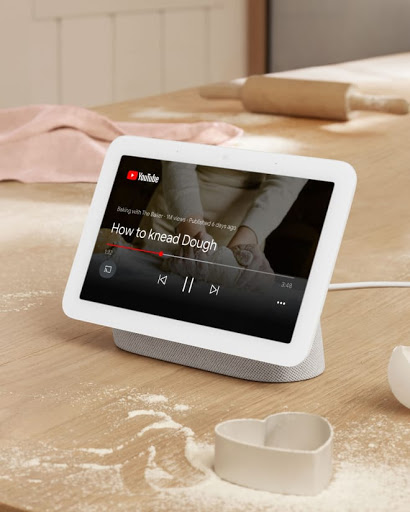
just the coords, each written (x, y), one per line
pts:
(140, 176)
(132, 175)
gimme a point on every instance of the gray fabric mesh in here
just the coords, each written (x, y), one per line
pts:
(225, 364)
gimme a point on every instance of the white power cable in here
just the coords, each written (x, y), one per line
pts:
(369, 284)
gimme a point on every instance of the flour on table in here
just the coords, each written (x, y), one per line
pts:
(21, 301)
(33, 466)
(166, 422)
(99, 467)
(152, 399)
(274, 143)
(240, 118)
(181, 407)
(360, 482)
(98, 451)
(146, 412)
(355, 486)
(153, 472)
(169, 423)
(96, 477)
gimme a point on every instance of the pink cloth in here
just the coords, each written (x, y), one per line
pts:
(62, 143)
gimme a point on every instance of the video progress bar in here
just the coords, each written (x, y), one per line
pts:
(164, 254)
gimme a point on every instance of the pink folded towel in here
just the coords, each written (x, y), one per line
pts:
(62, 143)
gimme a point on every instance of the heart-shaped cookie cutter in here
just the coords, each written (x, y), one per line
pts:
(288, 452)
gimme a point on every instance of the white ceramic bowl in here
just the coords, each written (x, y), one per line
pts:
(399, 374)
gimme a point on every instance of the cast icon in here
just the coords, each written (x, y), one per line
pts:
(107, 269)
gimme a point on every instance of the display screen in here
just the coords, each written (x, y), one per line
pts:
(217, 247)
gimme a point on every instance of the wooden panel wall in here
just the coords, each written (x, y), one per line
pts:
(86, 60)
(135, 68)
(185, 47)
(102, 51)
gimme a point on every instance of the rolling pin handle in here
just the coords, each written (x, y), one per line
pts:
(390, 104)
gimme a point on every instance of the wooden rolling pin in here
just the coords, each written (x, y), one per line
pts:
(302, 98)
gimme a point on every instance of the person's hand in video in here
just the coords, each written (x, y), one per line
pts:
(190, 258)
(225, 265)
(250, 256)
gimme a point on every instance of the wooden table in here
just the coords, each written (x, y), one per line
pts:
(68, 441)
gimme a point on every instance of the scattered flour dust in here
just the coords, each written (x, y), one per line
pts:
(181, 407)
(97, 478)
(239, 118)
(146, 412)
(360, 482)
(98, 451)
(355, 486)
(153, 399)
(34, 467)
(166, 422)
(21, 301)
(153, 472)
(92, 477)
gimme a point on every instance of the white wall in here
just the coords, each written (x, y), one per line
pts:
(92, 52)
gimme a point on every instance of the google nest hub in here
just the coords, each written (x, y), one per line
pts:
(216, 258)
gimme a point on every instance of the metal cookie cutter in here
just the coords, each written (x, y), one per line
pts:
(288, 453)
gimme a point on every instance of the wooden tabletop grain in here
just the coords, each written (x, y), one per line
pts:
(87, 427)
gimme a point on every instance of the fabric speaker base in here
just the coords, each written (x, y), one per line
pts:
(225, 364)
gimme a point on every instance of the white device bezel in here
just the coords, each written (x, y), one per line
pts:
(285, 354)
